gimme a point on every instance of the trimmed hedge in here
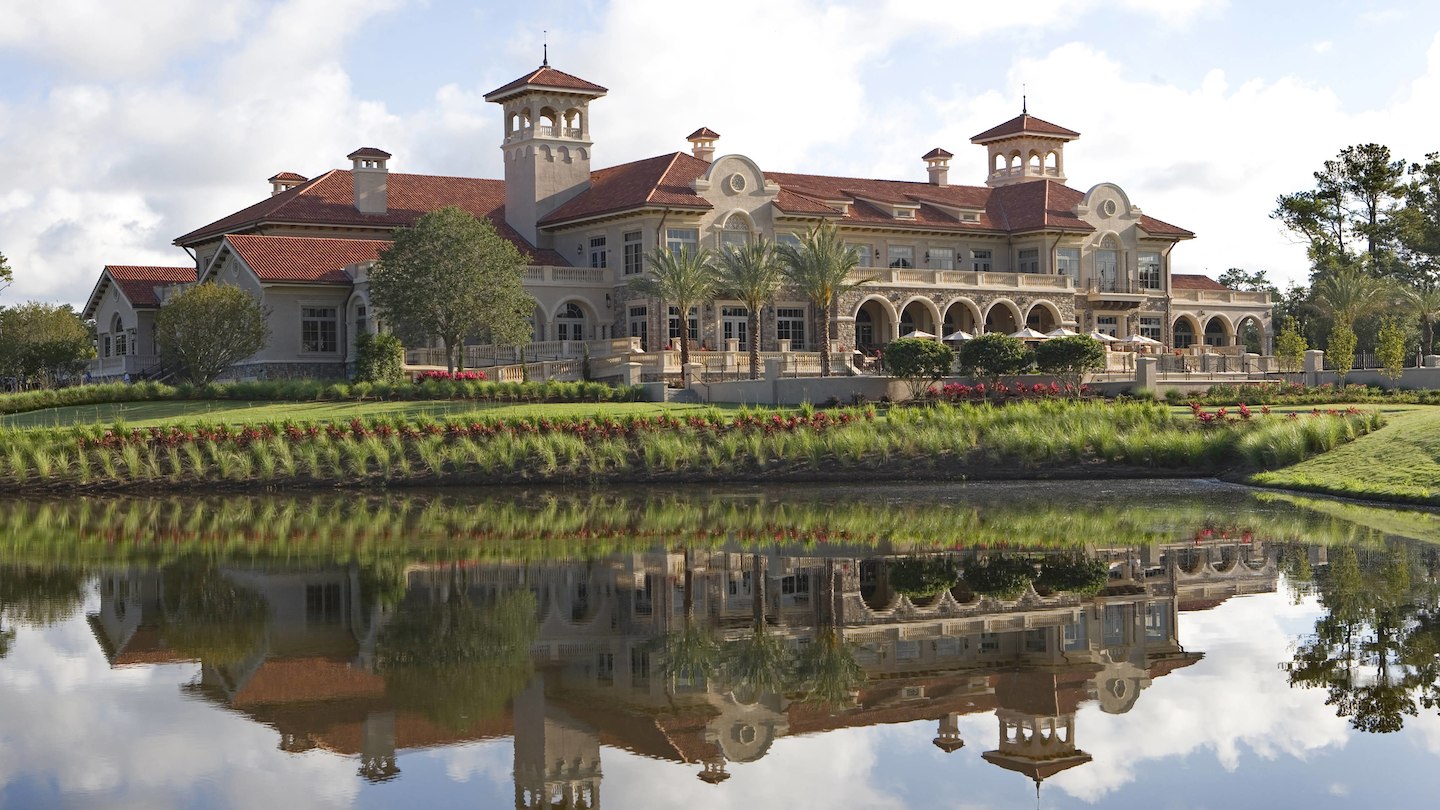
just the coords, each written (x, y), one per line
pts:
(319, 391)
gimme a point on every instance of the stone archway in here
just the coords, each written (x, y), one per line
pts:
(1218, 332)
(1184, 332)
(916, 315)
(1042, 317)
(1250, 333)
(1002, 317)
(874, 324)
(961, 315)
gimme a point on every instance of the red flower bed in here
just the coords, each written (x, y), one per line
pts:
(447, 376)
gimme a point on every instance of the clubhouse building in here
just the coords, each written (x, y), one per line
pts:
(1021, 249)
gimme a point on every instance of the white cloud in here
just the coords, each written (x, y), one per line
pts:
(1322, 46)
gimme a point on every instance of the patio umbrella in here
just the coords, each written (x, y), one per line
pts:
(1062, 332)
(919, 334)
(959, 334)
(1140, 340)
(1103, 338)
(1029, 334)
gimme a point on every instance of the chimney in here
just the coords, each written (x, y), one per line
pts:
(702, 143)
(284, 181)
(937, 162)
(371, 178)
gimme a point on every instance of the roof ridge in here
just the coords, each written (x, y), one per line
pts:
(650, 195)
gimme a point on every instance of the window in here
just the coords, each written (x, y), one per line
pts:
(989, 642)
(686, 239)
(982, 259)
(1107, 270)
(605, 668)
(1107, 325)
(1067, 262)
(736, 232)
(319, 329)
(1184, 334)
(107, 346)
(634, 253)
(901, 256)
(790, 325)
(322, 604)
(121, 347)
(361, 315)
(942, 258)
(862, 254)
(1150, 327)
(675, 323)
(789, 239)
(639, 318)
(1029, 260)
(1150, 271)
(598, 253)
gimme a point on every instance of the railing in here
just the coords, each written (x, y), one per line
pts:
(1221, 297)
(1124, 286)
(964, 278)
(547, 274)
(122, 364)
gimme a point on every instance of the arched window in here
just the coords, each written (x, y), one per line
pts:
(117, 329)
(1184, 334)
(736, 231)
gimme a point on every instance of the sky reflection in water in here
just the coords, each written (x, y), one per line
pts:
(260, 729)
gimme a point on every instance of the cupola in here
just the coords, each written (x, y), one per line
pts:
(1025, 148)
(284, 181)
(937, 163)
(702, 143)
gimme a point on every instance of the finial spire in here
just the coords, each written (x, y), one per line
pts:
(545, 45)
(1024, 103)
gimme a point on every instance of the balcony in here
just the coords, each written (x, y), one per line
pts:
(120, 365)
(526, 133)
(1118, 293)
(1260, 299)
(567, 276)
(963, 279)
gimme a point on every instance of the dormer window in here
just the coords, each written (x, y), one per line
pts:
(904, 211)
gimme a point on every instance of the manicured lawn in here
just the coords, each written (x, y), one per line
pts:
(1399, 462)
(144, 414)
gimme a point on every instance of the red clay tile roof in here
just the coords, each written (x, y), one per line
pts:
(307, 679)
(544, 76)
(139, 283)
(1037, 205)
(330, 200)
(1194, 281)
(369, 152)
(304, 259)
(937, 152)
(1155, 227)
(289, 176)
(818, 187)
(702, 132)
(661, 181)
(1025, 124)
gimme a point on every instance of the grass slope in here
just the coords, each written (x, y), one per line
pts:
(147, 414)
(1400, 462)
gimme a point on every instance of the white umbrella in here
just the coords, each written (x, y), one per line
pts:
(1062, 332)
(1029, 334)
(1103, 338)
(919, 334)
(1140, 340)
(959, 334)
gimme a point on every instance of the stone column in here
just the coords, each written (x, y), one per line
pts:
(1314, 365)
(1146, 374)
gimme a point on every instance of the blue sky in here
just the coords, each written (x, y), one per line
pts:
(121, 128)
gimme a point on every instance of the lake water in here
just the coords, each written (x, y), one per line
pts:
(1186, 644)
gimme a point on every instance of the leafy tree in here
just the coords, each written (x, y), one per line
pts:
(379, 358)
(918, 360)
(922, 576)
(1239, 279)
(1354, 202)
(1076, 573)
(210, 618)
(1390, 349)
(42, 344)
(1069, 358)
(679, 278)
(449, 277)
(457, 662)
(1290, 346)
(1001, 577)
(40, 596)
(207, 328)
(7, 276)
(1341, 350)
(820, 267)
(994, 355)
(752, 275)
(1419, 223)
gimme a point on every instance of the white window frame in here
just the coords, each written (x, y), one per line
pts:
(1027, 260)
(677, 239)
(1149, 265)
(599, 253)
(900, 256)
(982, 259)
(333, 320)
(941, 258)
(634, 253)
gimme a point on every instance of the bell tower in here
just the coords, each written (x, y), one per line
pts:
(546, 145)
(1025, 148)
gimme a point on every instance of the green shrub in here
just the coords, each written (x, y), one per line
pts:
(922, 577)
(1070, 358)
(994, 355)
(917, 360)
(379, 358)
(1076, 574)
(1001, 577)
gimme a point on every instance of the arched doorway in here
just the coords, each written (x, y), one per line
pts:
(1042, 319)
(570, 322)
(1251, 334)
(1217, 332)
(916, 316)
(872, 326)
(1184, 333)
(1002, 318)
(959, 316)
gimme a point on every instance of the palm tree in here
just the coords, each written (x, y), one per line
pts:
(760, 663)
(1347, 294)
(681, 278)
(1424, 303)
(752, 275)
(820, 267)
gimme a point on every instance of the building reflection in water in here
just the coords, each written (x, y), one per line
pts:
(325, 663)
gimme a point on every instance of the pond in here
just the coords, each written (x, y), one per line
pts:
(974, 645)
